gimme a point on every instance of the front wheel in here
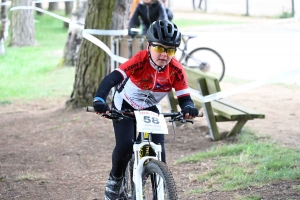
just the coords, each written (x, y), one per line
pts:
(207, 60)
(158, 182)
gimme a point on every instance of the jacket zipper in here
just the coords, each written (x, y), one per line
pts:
(148, 15)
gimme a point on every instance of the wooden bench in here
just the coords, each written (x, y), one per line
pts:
(216, 111)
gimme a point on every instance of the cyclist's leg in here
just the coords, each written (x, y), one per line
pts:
(120, 157)
(123, 149)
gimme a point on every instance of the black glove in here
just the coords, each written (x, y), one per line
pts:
(101, 107)
(193, 112)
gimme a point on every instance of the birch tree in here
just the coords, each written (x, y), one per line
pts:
(4, 26)
(22, 25)
(74, 33)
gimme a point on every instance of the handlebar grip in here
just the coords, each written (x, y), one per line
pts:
(90, 109)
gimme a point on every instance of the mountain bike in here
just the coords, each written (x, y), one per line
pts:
(146, 176)
(203, 58)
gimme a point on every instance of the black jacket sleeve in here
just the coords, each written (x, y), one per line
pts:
(111, 80)
(185, 101)
(134, 21)
(162, 11)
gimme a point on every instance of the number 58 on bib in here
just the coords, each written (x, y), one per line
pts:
(151, 122)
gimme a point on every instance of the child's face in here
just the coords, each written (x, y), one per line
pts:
(161, 54)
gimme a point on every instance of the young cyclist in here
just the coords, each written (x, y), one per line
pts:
(143, 81)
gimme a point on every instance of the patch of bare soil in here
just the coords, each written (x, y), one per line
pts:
(49, 153)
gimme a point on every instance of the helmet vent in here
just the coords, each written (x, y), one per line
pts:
(155, 34)
(163, 33)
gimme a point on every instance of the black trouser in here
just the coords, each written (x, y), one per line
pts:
(124, 133)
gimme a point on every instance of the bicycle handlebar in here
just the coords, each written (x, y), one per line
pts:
(121, 114)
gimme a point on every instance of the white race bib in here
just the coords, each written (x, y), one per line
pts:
(150, 122)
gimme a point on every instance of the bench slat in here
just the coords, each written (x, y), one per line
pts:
(250, 112)
(220, 118)
(228, 112)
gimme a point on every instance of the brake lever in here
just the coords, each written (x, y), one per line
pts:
(111, 116)
(105, 115)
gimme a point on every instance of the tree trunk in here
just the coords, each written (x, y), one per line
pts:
(53, 6)
(68, 11)
(4, 27)
(68, 7)
(121, 14)
(74, 36)
(22, 25)
(4, 21)
(91, 67)
(39, 5)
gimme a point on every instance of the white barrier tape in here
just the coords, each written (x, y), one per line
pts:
(41, 10)
(86, 33)
(6, 3)
(110, 32)
(107, 32)
(105, 48)
(43, 1)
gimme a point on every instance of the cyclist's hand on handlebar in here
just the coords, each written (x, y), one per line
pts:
(190, 112)
(101, 107)
(132, 33)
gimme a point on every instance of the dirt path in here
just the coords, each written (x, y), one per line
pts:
(49, 153)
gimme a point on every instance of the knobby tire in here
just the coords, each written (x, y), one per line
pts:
(158, 168)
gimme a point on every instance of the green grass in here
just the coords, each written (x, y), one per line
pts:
(31, 177)
(249, 162)
(31, 72)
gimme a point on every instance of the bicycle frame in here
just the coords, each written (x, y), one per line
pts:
(184, 49)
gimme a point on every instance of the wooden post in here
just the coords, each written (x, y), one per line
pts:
(124, 48)
(208, 111)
